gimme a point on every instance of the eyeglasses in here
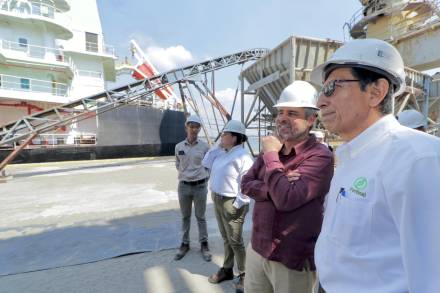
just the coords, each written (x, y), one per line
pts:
(330, 88)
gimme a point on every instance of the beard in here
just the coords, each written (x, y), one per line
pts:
(285, 132)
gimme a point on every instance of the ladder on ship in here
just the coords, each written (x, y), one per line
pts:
(26, 128)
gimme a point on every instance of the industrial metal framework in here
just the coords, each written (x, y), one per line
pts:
(52, 119)
(59, 116)
(294, 59)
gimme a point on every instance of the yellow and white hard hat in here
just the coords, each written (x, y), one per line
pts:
(371, 54)
(299, 94)
(411, 118)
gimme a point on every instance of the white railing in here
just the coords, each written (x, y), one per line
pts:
(61, 139)
(414, 78)
(23, 84)
(36, 9)
(53, 140)
(110, 50)
(38, 52)
(103, 48)
(88, 73)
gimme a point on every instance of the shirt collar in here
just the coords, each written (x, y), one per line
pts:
(368, 137)
(302, 146)
(187, 142)
(234, 148)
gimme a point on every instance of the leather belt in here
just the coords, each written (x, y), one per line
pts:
(193, 183)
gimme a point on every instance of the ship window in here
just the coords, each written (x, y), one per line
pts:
(36, 8)
(25, 83)
(91, 42)
(22, 42)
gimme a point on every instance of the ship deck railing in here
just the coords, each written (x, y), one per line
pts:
(25, 84)
(89, 73)
(35, 8)
(38, 52)
(56, 140)
(100, 48)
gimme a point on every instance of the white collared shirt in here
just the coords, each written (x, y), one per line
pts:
(381, 229)
(226, 171)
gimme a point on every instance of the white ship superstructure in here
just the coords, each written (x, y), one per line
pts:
(51, 52)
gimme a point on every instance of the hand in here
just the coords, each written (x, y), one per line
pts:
(271, 144)
(293, 175)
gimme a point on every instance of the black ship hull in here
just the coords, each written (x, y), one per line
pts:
(129, 131)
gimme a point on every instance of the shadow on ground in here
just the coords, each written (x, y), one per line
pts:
(84, 258)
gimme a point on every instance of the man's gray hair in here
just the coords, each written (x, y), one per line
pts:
(310, 112)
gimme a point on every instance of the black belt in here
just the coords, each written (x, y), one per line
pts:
(193, 183)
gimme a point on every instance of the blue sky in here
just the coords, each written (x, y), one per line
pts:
(176, 33)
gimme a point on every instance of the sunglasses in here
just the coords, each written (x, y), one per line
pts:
(328, 89)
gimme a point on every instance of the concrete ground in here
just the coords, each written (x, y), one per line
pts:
(138, 273)
(54, 215)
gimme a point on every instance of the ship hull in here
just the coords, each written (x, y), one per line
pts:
(129, 131)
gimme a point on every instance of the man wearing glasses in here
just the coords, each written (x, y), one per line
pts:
(288, 182)
(380, 231)
(193, 181)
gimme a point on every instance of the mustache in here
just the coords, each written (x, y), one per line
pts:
(286, 125)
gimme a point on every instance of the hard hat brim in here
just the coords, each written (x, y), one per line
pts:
(317, 75)
(293, 105)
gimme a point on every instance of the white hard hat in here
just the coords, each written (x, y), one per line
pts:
(371, 54)
(411, 118)
(193, 118)
(317, 133)
(235, 126)
(299, 94)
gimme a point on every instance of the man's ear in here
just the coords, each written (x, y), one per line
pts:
(378, 91)
(311, 119)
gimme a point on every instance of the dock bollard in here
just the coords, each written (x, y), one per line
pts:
(4, 176)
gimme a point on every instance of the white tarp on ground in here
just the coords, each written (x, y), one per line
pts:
(64, 214)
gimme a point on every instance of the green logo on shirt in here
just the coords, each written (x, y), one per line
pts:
(360, 183)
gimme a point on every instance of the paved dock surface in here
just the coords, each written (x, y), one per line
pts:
(64, 224)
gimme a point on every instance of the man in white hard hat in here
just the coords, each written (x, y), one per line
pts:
(288, 182)
(193, 181)
(412, 119)
(380, 231)
(320, 137)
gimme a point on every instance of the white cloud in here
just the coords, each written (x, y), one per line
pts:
(142, 40)
(226, 98)
(165, 59)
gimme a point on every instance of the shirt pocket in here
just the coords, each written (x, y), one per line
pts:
(198, 157)
(351, 225)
